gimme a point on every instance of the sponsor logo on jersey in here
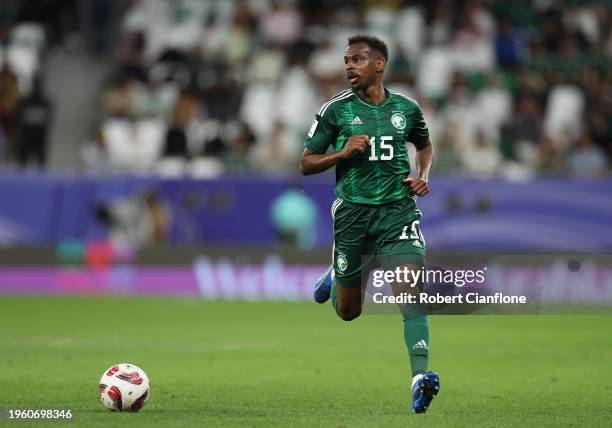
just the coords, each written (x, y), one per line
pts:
(357, 121)
(398, 120)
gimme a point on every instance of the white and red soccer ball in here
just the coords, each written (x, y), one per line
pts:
(124, 387)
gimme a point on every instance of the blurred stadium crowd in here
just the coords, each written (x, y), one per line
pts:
(508, 89)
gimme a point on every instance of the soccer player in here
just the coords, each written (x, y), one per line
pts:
(367, 127)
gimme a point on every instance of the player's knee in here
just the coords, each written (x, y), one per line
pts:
(348, 313)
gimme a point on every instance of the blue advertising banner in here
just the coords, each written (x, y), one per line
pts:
(458, 214)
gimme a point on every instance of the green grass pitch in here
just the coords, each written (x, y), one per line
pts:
(296, 364)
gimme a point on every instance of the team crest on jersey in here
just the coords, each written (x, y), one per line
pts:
(341, 263)
(398, 120)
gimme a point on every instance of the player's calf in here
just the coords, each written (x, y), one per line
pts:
(348, 312)
(348, 302)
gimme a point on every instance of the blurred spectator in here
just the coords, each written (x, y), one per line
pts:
(482, 159)
(155, 99)
(10, 97)
(441, 24)
(3, 145)
(99, 24)
(274, 154)
(551, 156)
(435, 72)
(522, 132)
(133, 145)
(473, 41)
(176, 142)
(187, 108)
(140, 220)
(495, 103)
(551, 29)
(131, 55)
(598, 116)
(94, 153)
(447, 158)
(509, 44)
(187, 116)
(223, 96)
(411, 31)
(586, 159)
(564, 113)
(282, 24)
(232, 43)
(35, 115)
(118, 98)
(238, 157)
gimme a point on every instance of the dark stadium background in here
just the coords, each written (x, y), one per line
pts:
(151, 148)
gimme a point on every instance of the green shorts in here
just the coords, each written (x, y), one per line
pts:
(387, 232)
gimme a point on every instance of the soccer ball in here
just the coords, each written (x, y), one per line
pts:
(124, 387)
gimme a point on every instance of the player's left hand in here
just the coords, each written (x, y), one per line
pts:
(418, 186)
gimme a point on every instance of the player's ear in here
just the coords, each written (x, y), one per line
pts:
(380, 65)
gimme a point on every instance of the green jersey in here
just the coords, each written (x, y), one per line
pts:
(374, 177)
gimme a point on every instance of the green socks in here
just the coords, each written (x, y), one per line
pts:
(416, 336)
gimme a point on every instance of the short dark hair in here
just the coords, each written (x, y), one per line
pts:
(372, 41)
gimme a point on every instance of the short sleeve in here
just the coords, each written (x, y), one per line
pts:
(321, 135)
(419, 134)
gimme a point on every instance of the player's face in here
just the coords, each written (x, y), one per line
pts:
(361, 65)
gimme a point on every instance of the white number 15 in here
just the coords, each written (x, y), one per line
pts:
(383, 145)
(415, 232)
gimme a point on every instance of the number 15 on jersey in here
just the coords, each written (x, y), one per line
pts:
(386, 149)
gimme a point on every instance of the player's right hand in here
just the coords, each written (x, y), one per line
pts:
(356, 144)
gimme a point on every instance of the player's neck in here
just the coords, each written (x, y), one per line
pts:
(374, 94)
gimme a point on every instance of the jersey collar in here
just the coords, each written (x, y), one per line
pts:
(387, 98)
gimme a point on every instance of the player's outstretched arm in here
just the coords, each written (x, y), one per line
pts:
(424, 160)
(314, 163)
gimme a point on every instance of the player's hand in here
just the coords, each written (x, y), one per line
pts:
(357, 144)
(418, 186)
